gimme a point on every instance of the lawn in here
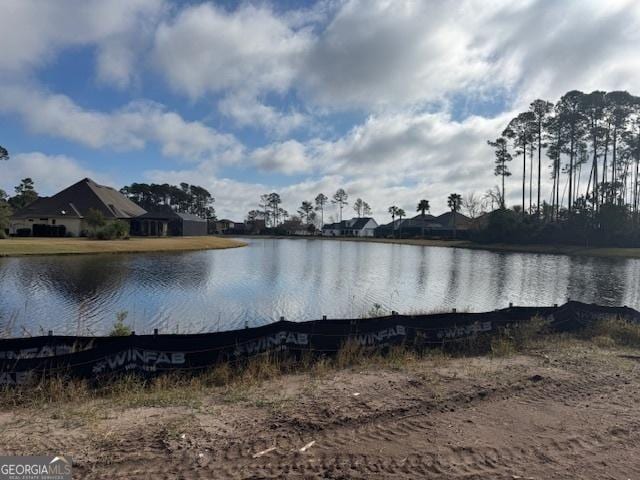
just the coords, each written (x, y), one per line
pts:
(61, 246)
(616, 252)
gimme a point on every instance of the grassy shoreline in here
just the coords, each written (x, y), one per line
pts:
(75, 246)
(572, 250)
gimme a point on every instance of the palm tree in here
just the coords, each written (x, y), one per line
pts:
(393, 210)
(400, 213)
(423, 206)
(321, 200)
(454, 201)
(4, 154)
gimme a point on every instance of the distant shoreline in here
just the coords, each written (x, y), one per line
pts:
(15, 247)
(571, 250)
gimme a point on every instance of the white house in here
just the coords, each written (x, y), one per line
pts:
(356, 227)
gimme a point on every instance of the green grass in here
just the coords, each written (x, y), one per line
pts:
(62, 246)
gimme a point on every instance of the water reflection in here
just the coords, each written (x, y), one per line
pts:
(297, 279)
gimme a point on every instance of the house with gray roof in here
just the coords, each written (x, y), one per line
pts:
(446, 225)
(356, 227)
(64, 213)
(168, 223)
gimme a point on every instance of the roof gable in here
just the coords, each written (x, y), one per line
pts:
(77, 199)
(361, 223)
(446, 219)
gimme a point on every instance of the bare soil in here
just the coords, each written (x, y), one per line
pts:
(566, 410)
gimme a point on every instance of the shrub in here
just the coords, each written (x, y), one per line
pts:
(120, 329)
(117, 229)
(620, 332)
(120, 229)
(95, 219)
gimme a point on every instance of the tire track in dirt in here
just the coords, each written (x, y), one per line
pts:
(333, 455)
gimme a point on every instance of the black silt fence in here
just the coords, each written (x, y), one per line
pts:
(23, 360)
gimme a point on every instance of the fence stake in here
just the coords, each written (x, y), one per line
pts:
(155, 331)
(51, 333)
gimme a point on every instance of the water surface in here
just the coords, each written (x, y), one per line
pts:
(298, 279)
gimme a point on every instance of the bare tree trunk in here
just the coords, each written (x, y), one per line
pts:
(594, 172)
(614, 188)
(530, 178)
(553, 190)
(524, 173)
(571, 169)
(604, 193)
(559, 159)
(539, 165)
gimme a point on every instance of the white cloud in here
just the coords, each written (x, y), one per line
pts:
(246, 110)
(544, 49)
(393, 55)
(206, 49)
(129, 128)
(34, 32)
(287, 157)
(400, 64)
(390, 54)
(233, 199)
(51, 173)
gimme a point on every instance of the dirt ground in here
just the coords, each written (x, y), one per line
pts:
(566, 411)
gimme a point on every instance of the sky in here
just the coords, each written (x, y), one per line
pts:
(391, 100)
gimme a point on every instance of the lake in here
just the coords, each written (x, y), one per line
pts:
(298, 279)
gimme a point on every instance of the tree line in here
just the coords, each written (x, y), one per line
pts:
(184, 198)
(592, 143)
(591, 146)
(309, 212)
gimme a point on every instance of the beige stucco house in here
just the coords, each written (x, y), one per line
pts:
(64, 213)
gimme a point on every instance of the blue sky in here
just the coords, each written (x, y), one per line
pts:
(391, 100)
